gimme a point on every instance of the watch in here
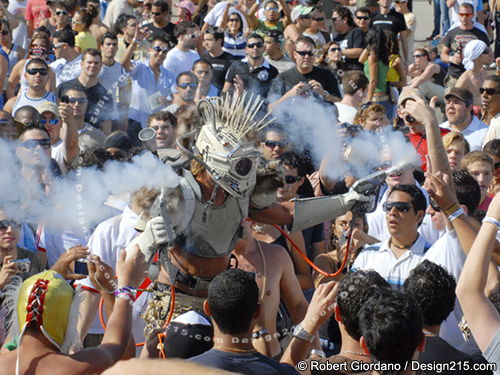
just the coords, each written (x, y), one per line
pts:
(302, 334)
(317, 352)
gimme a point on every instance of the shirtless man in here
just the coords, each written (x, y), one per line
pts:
(276, 279)
(301, 20)
(37, 355)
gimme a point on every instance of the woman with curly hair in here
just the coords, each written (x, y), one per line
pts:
(332, 59)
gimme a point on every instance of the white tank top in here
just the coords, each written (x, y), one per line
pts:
(23, 99)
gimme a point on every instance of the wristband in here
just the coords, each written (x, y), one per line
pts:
(456, 214)
(451, 209)
(126, 293)
(260, 333)
(488, 219)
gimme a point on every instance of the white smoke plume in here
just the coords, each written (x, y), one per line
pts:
(76, 201)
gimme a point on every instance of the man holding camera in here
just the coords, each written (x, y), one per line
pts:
(305, 79)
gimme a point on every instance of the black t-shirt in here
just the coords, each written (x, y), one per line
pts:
(220, 64)
(257, 80)
(244, 363)
(166, 32)
(393, 21)
(354, 38)
(456, 39)
(100, 103)
(291, 77)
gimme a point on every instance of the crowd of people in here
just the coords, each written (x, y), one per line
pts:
(255, 243)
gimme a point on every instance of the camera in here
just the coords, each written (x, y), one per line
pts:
(81, 267)
(22, 265)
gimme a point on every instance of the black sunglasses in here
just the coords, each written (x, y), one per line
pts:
(306, 17)
(4, 224)
(305, 53)
(318, 19)
(399, 206)
(61, 13)
(31, 144)
(34, 71)
(335, 49)
(233, 20)
(489, 91)
(273, 144)
(253, 45)
(292, 179)
(156, 13)
(160, 49)
(364, 18)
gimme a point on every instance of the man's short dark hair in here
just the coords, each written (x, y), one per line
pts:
(107, 35)
(293, 160)
(304, 39)
(36, 60)
(73, 89)
(204, 62)
(354, 289)
(91, 52)
(433, 288)
(275, 127)
(345, 12)
(391, 324)
(162, 5)
(467, 5)
(65, 36)
(418, 200)
(122, 22)
(182, 28)
(186, 73)
(161, 38)
(163, 116)
(217, 32)
(493, 78)
(363, 10)
(467, 190)
(233, 297)
(255, 36)
(353, 80)
(492, 148)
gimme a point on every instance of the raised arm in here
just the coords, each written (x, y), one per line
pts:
(482, 317)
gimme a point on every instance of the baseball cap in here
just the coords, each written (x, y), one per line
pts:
(48, 107)
(408, 93)
(300, 10)
(188, 5)
(462, 94)
(118, 139)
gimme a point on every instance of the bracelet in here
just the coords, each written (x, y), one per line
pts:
(126, 293)
(261, 332)
(317, 352)
(451, 209)
(456, 214)
(488, 219)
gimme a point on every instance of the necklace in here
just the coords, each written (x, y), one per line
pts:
(225, 348)
(355, 353)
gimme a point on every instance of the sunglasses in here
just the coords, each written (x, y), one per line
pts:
(318, 19)
(335, 49)
(77, 100)
(253, 45)
(305, 53)
(191, 36)
(334, 19)
(160, 49)
(489, 91)
(61, 13)
(4, 224)
(402, 207)
(31, 144)
(270, 9)
(156, 13)
(292, 179)
(417, 56)
(53, 121)
(273, 144)
(233, 20)
(435, 206)
(465, 14)
(363, 18)
(186, 85)
(306, 17)
(34, 71)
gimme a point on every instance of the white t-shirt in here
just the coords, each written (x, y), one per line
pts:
(346, 113)
(179, 61)
(20, 33)
(66, 71)
(214, 17)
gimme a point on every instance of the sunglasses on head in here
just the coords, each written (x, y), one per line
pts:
(305, 53)
(273, 144)
(61, 13)
(318, 19)
(490, 91)
(4, 224)
(160, 49)
(292, 179)
(399, 206)
(52, 121)
(33, 71)
(31, 144)
(253, 45)
(364, 18)
(186, 85)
